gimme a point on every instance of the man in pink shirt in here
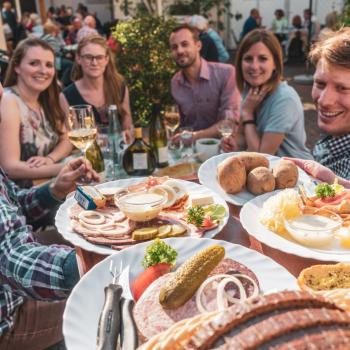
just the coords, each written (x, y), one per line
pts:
(205, 92)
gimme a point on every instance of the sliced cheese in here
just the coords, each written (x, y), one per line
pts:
(201, 199)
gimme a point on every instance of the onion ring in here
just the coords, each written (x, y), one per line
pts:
(84, 216)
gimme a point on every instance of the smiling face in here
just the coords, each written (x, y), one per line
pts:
(331, 95)
(257, 65)
(36, 69)
(93, 60)
(184, 49)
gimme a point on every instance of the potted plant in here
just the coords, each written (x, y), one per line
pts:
(145, 62)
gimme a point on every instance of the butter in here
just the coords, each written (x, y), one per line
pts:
(89, 197)
(201, 199)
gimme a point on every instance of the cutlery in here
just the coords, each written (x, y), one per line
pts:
(109, 322)
(116, 317)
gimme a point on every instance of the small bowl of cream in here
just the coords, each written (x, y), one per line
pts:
(141, 206)
(315, 228)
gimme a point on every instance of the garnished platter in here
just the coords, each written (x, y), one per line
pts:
(81, 315)
(74, 224)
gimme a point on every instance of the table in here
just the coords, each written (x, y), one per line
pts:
(232, 232)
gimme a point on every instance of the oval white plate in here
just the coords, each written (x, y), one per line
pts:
(85, 303)
(62, 220)
(249, 217)
(207, 177)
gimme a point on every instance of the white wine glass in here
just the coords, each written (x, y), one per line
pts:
(171, 121)
(82, 129)
(227, 125)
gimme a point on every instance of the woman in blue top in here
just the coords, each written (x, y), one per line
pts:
(272, 117)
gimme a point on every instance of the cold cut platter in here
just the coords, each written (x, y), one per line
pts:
(142, 209)
(157, 307)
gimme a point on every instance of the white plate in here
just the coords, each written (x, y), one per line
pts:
(207, 177)
(249, 217)
(85, 303)
(62, 220)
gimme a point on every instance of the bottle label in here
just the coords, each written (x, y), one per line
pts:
(139, 161)
(163, 154)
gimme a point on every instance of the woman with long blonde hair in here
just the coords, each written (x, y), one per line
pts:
(32, 129)
(98, 83)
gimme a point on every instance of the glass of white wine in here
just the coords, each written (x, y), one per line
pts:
(82, 129)
(227, 125)
(171, 122)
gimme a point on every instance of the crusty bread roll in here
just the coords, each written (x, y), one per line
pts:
(330, 281)
(260, 180)
(231, 175)
(252, 160)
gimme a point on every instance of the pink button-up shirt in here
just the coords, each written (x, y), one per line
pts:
(204, 102)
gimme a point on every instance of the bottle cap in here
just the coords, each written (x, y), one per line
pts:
(112, 107)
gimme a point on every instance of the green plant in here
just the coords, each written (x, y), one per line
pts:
(145, 62)
(344, 17)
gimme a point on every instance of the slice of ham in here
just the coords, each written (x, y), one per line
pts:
(151, 318)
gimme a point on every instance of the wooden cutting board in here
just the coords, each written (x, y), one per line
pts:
(185, 171)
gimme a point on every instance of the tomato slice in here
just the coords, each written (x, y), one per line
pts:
(319, 202)
(145, 278)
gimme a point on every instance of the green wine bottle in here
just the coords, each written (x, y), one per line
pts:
(139, 159)
(94, 155)
(158, 137)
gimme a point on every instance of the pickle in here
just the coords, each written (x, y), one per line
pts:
(164, 231)
(177, 231)
(190, 275)
(145, 233)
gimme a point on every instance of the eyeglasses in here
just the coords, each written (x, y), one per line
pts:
(90, 58)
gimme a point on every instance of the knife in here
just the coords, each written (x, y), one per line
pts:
(109, 322)
(128, 330)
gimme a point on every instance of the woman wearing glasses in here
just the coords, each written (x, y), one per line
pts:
(32, 130)
(97, 83)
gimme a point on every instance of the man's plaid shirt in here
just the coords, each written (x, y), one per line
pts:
(334, 153)
(28, 269)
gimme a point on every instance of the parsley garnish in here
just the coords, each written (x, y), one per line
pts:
(195, 215)
(159, 252)
(324, 190)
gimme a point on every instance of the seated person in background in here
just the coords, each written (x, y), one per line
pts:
(97, 83)
(272, 116)
(208, 50)
(33, 136)
(331, 22)
(63, 65)
(33, 275)
(311, 22)
(88, 28)
(279, 26)
(331, 95)
(203, 90)
(201, 23)
(252, 22)
(297, 41)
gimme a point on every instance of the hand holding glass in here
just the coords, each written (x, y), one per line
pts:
(226, 126)
(82, 130)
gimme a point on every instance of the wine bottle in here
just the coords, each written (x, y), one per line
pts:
(95, 157)
(115, 137)
(158, 138)
(139, 158)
